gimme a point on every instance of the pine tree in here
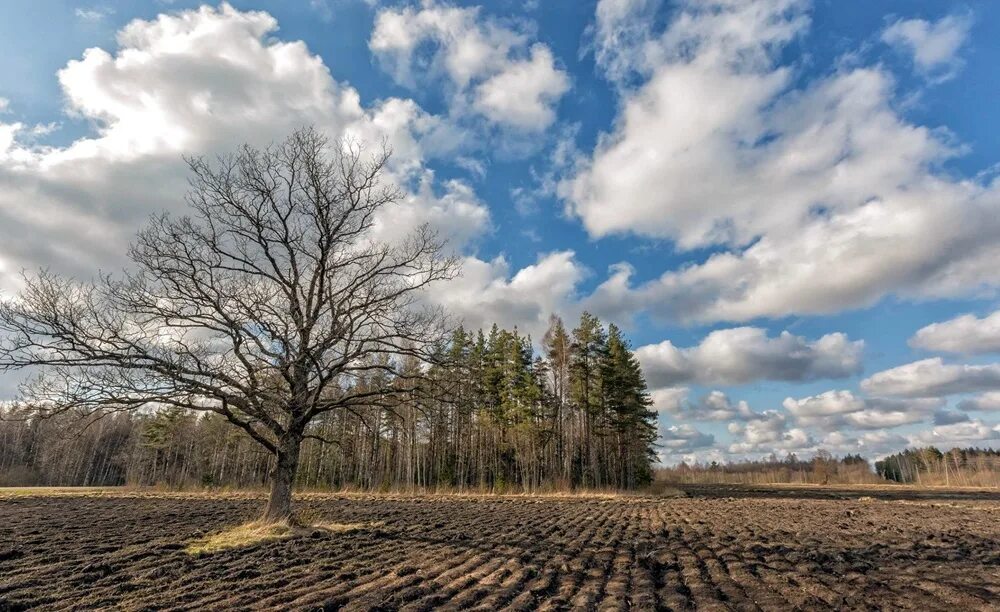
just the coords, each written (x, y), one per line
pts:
(558, 348)
(588, 346)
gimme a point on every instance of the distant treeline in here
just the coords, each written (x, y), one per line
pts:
(492, 415)
(823, 468)
(971, 467)
(922, 466)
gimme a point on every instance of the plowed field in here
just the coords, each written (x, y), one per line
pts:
(420, 553)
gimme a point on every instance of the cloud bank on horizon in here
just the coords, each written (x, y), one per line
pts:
(790, 231)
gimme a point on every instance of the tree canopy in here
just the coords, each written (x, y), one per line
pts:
(272, 303)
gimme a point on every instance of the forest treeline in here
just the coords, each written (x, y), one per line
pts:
(921, 466)
(823, 468)
(490, 414)
(972, 467)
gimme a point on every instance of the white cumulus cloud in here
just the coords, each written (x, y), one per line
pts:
(714, 406)
(870, 444)
(968, 433)
(825, 404)
(965, 334)
(678, 439)
(488, 292)
(819, 197)
(933, 45)
(744, 354)
(768, 433)
(835, 410)
(239, 84)
(523, 93)
(492, 67)
(933, 378)
(985, 402)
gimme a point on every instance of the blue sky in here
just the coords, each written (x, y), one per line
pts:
(771, 196)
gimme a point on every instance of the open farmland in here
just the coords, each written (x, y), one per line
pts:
(103, 549)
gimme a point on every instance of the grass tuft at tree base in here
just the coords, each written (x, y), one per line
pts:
(257, 532)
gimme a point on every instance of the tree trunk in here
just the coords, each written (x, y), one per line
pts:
(279, 504)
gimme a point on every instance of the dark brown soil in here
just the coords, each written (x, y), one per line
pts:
(882, 492)
(750, 553)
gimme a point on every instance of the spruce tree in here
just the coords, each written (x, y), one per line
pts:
(628, 410)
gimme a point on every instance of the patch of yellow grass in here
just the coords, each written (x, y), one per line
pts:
(957, 504)
(239, 537)
(52, 491)
(225, 493)
(346, 527)
(250, 534)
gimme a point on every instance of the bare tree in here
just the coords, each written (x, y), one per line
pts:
(273, 303)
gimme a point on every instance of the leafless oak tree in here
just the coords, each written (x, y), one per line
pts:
(272, 303)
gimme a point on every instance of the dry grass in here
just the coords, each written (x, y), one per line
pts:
(250, 534)
(880, 486)
(965, 505)
(60, 491)
(239, 537)
(130, 491)
(658, 490)
(126, 492)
